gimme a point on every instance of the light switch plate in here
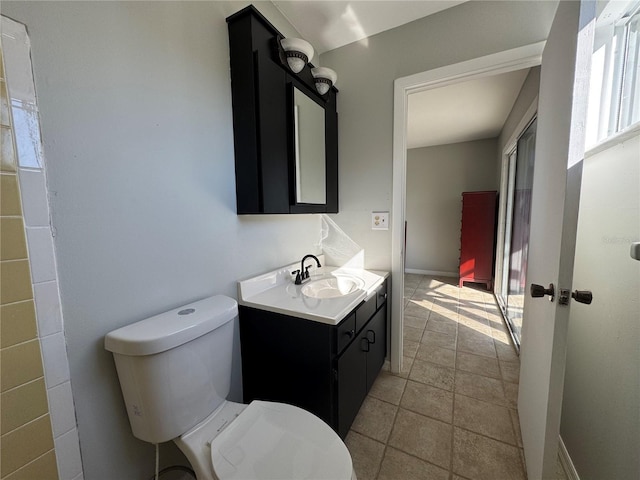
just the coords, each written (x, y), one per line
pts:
(380, 220)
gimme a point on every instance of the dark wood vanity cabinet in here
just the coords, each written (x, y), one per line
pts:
(325, 369)
(264, 123)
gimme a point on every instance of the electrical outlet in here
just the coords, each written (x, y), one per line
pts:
(380, 220)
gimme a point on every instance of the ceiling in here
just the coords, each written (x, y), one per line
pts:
(464, 111)
(331, 24)
(456, 113)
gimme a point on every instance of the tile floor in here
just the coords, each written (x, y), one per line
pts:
(451, 413)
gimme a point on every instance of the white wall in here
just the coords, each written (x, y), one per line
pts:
(600, 413)
(436, 178)
(366, 71)
(135, 103)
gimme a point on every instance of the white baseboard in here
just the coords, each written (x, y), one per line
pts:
(565, 461)
(433, 273)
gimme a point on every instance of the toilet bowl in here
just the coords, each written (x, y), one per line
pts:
(175, 373)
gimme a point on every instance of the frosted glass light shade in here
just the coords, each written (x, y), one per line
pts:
(298, 53)
(325, 78)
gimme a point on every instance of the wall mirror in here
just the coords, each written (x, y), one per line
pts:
(309, 149)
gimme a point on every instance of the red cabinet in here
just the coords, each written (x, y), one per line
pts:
(477, 238)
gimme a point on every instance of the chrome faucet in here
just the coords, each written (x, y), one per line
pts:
(303, 274)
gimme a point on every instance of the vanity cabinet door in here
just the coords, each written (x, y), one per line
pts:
(352, 384)
(375, 333)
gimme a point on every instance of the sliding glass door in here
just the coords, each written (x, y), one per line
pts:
(516, 233)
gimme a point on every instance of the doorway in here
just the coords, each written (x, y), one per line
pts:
(508, 61)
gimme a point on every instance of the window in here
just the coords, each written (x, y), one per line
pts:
(614, 99)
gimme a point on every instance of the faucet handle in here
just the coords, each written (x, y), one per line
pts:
(306, 271)
(298, 279)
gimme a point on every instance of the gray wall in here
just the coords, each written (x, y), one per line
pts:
(601, 406)
(436, 178)
(135, 106)
(366, 71)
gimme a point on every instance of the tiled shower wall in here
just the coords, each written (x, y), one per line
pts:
(38, 416)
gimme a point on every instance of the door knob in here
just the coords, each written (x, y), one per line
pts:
(538, 291)
(580, 296)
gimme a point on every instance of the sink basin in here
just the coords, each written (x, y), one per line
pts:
(332, 287)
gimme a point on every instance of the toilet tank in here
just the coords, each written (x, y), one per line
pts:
(175, 367)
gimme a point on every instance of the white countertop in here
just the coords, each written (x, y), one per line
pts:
(275, 292)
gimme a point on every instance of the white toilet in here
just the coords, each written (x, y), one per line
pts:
(175, 373)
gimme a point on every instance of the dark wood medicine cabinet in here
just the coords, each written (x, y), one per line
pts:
(269, 138)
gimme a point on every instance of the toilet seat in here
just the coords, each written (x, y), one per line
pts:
(277, 441)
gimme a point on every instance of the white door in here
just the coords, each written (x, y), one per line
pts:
(556, 187)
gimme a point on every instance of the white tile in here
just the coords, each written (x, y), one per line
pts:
(26, 125)
(61, 409)
(34, 197)
(54, 355)
(17, 60)
(47, 308)
(41, 256)
(68, 455)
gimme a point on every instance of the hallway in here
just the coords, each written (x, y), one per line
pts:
(451, 414)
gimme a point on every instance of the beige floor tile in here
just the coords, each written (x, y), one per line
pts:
(415, 322)
(482, 458)
(501, 336)
(413, 279)
(423, 296)
(515, 421)
(417, 412)
(407, 363)
(409, 348)
(442, 324)
(511, 394)
(465, 323)
(429, 401)
(485, 418)
(366, 455)
(506, 352)
(482, 388)
(417, 309)
(412, 334)
(388, 387)
(408, 291)
(397, 465)
(475, 342)
(432, 374)
(478, 364)
(375, 419)
(440, 356)
(510, 371)
(447, 307)
(473, 310)
(439, 339)
(423, 437)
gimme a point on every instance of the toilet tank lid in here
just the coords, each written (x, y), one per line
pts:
(173, 328)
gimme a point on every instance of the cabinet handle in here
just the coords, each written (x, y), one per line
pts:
(367, 344)
(374, 336)
(350, 333)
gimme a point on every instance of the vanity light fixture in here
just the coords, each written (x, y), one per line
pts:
(325, 78)
(298, 53)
